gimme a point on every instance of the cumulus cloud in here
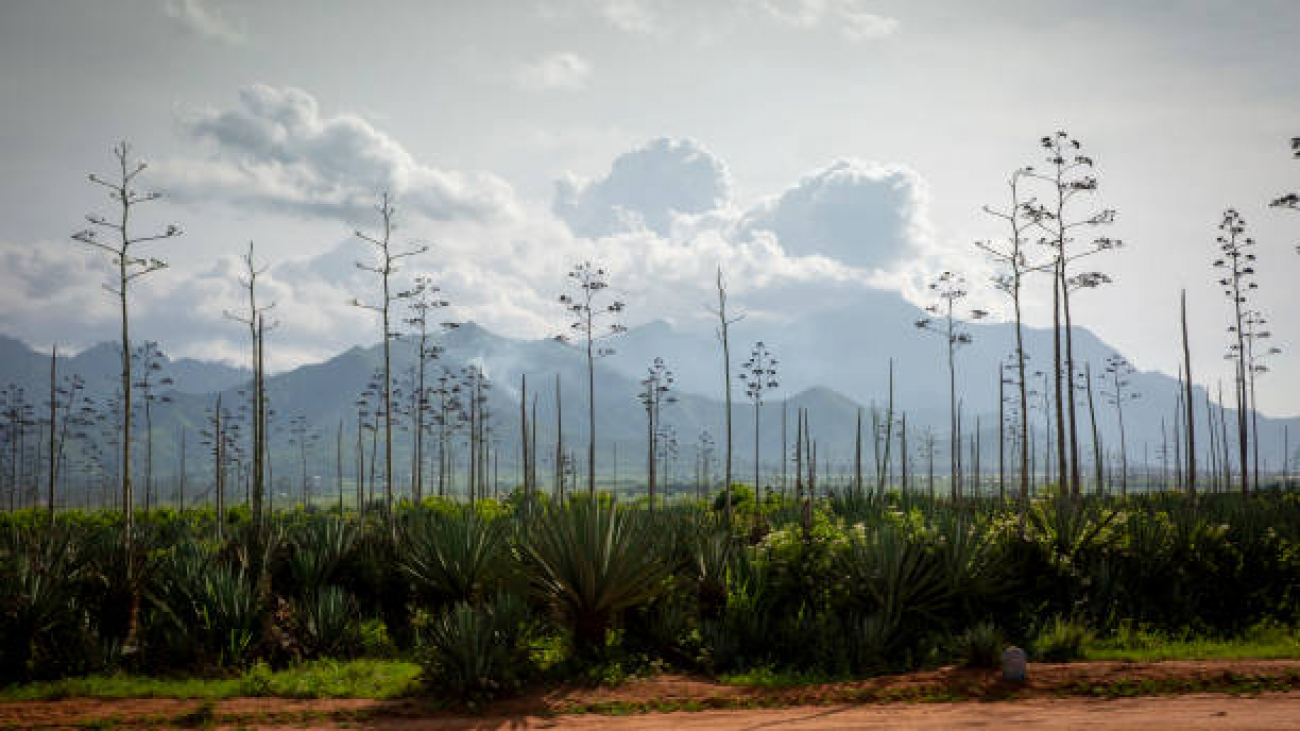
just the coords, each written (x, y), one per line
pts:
(852, 18)
(864, 215)
(562, 71)
(861, 214)
(510, 287)
(645, 188)
(276, 150)
(50, 287)
(195, 16)
(312, 318)
(664, 216)
(506, 276)
(662, 219)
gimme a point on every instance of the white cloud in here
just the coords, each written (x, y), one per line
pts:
(860, 25)
(51, 287)
(646, 188)
(631, 16)
(506, 275)
(864, 215)
(196, 17)
(276, 150)
(661, 220)
(562, 71)
(852, 17)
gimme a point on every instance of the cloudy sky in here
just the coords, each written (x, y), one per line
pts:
(813, 148)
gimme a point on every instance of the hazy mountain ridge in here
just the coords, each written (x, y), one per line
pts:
(833, 375)
(100, 366)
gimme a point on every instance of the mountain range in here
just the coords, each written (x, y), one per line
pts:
(833, 363)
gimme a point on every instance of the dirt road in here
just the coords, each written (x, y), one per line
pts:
(1186, 713)
(1185, 695)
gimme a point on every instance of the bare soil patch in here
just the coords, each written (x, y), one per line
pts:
(1211, 694)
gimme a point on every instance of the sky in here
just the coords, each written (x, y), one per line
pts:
(814, 149)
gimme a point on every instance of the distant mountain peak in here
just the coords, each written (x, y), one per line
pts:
(10, 347)
(822, 394)
(99, 350)
(469, 329)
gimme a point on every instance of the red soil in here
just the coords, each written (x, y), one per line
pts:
(1050, 700)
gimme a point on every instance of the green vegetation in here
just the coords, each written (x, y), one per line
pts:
(475, 653)
(316, 679)
(1062, 641)
(485, 601)
(769, 677)
(1259, 643)
(980, 646)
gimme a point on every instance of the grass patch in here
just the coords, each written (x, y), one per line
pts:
(333, 679)
(318, 679)
(1228, 683)
(630, 708)
(122, 686)
(768, 677)
(1262, 643)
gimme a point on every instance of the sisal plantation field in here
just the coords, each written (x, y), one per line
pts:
(468, 604)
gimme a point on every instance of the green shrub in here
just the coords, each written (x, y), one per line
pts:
(205, 611)
(374, 577)
(871, 641)
(742, 498)
(40, 609)
(474, 654)
(375, 643)
(453, 557)
(319, 548)
(256, 681)
(979, 646)
(590, 561)
(711, 559)
(230, 616)
(665, 629)
(1062, 640)
(890, 573)
(327, 624)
